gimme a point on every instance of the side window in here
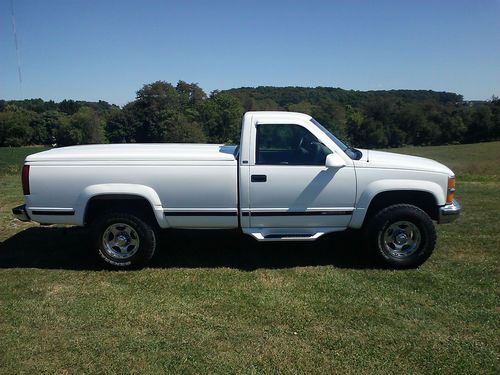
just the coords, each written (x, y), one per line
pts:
(288, 144)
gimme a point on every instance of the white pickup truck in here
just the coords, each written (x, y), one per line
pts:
(289, 179)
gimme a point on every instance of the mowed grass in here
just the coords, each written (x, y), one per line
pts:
(221, 303)
(11, 158)
(471, 162)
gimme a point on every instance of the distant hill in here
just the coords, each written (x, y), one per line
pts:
(253, 98)
(163, 112)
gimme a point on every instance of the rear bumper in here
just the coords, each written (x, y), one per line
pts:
(21, 213)
(449, 212)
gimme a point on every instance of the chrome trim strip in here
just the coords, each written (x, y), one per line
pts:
(298, 213)
(200, 213)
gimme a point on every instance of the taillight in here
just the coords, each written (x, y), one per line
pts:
(451, 190)
(25, 178)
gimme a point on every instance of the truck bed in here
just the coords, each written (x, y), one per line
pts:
(187, 185)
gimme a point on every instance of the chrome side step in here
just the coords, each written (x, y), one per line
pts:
(291, 237)
(289, 234)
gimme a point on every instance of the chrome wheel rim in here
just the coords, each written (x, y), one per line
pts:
(401, 239)
(120, 241)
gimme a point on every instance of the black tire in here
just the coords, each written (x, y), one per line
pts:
(134, 240)
(402, 235)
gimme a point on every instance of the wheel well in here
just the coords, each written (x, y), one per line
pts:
(132, 204)
(421, 199)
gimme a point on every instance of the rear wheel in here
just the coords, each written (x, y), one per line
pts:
(402, 235)
(123, 240)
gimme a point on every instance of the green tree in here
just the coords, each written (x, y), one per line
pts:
(14, 128)
(480, 126)
(354, 122)
(90, 124)
(52, 120)
(302, 107)
(69, 107)
(221, 117)
(163, 112)
(190, 94)
(119, 126)
(156, 104)
(67, 134)
(180, 129)
(83, 127)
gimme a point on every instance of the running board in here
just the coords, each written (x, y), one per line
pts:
(289, 234)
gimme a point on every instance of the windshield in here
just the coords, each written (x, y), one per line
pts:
(351, 152)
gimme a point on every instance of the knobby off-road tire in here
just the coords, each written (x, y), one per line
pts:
(402, 235)
(123, 240)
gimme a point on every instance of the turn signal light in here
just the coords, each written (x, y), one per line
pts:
(451, 190)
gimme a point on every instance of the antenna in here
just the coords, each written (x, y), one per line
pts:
(17, 46)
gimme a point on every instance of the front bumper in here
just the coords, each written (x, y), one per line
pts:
(21, 213)
(449, 212)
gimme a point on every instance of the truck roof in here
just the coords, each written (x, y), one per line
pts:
(281, 114)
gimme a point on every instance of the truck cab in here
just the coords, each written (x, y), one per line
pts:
(295, 181)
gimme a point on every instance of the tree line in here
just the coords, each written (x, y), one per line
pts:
(162, 112)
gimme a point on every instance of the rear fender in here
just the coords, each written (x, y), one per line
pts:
(141, 191)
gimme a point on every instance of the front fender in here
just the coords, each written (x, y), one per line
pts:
(381, 186)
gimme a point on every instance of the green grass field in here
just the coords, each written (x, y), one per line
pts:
(247, 307)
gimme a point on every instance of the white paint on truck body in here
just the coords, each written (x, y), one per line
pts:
(166, 175)
(200, 186)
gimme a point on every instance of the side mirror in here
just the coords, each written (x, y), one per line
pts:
(334, 161)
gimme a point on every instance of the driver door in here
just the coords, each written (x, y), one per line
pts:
(290, 185)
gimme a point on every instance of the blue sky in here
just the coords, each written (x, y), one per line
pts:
(105, 49)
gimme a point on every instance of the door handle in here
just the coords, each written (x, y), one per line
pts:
(258, 178)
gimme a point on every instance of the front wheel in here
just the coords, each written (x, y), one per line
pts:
(402, 235)
(123, 241)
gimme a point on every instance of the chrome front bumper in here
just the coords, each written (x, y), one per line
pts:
(21, 213)
(449, 212)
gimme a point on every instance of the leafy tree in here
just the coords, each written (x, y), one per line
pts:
(14, 128)
(163, 112)
(479, 124)
(69, 107)
(39, 131)
(119, 128)
(221, 117)
(181, 129)
(354, 122)
(190, 94)
(333, 116)
(83, 127)
(90, 124)
(302, 107)
(52, 120)
(156, 103)
(372, 134)
(495, 117)
(67, 134)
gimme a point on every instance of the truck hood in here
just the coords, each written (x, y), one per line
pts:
(391, 160)
(137, 152)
